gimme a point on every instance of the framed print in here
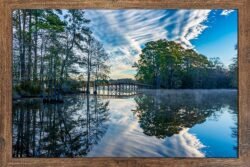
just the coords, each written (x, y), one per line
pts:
(134, 83)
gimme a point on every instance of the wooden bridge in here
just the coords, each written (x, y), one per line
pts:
(121, 87)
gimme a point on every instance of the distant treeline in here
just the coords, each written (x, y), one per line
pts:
(54, 51)
(166, 64)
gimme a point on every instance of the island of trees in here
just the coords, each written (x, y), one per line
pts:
(166, 64)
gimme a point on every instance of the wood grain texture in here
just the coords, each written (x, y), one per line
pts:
(6, 7)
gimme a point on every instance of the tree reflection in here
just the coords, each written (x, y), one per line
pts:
(234, 128)
(70, 129)
(167, 114)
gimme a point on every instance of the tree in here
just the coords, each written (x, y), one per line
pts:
(233, 71)
(76, 32)
(96, 60)
(51, 49)
(166, 64)
(101, 69)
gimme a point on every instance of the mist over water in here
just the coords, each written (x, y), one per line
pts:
(153, 123)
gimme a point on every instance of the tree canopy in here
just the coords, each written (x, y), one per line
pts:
(166, 64)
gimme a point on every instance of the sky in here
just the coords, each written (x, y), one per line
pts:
(124, 33)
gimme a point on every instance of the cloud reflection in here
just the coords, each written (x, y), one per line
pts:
(128, 139)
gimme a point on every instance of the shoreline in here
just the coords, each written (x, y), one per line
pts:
(158, 91)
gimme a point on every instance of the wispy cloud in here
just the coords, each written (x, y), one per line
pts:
(226, 12)
(124, 32)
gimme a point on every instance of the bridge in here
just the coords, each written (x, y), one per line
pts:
(120, 87)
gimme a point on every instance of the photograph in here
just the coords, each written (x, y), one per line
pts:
(124, 83)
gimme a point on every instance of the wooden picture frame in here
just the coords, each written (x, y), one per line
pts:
(6, 8)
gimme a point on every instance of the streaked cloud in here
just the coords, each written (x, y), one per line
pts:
(226, 12)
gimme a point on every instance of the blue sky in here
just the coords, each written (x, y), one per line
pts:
(124, 32)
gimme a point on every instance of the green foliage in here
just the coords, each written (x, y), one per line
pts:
(166, 64)
(27, 88)
(233, 73)
(71, 86)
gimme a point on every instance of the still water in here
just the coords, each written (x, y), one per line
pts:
(162, 123)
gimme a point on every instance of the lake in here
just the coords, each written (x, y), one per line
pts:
(152, 123)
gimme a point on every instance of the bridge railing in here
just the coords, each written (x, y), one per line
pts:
(119, 82)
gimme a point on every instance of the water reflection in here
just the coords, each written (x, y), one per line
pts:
(58, 130)
(151, 124)
(163, 115)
